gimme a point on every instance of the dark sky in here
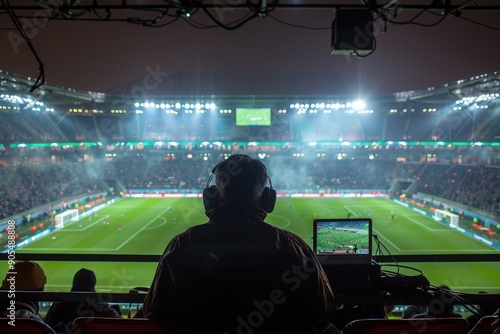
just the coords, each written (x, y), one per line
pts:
(262, 57)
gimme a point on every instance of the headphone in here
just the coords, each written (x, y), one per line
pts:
(211, 193)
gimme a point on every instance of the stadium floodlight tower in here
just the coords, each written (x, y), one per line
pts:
(449, 217)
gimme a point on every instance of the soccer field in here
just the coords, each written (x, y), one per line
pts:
(149, 224)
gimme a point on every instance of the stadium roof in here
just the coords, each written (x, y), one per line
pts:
(54, 95)
(283, 48)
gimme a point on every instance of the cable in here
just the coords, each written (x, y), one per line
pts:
(478, 23)
(443, 15)
(197, 25)
(372, 51)
(231, 27)
(471, 308)
(378, 251)
(41, 76)
(298, 26)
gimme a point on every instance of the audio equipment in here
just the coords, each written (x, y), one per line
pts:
(211, 193)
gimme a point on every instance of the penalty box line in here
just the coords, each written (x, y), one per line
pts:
(104, 249)
(142, 229)
(387, 239)
(427, 227)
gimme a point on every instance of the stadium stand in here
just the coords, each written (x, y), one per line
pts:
(27, 186)
(414, 157)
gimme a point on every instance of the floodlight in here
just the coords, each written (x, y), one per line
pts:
(358, 105)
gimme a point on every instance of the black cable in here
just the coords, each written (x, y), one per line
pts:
(262, 12)
(41, 76)
(196, 24)
(297, 25)
(413, 19)
(471, 308)
(372, 51)
(478, 23)
(107, 17)
(230, 27)
(410, 21)
(164, 24)
(379, 243)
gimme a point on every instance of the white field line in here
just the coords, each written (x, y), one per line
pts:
(100, 249)
(81, 228)
(141, 229)
(162, 224)
(427, 227)
(65, 249)
(389, 241)
(288, 222)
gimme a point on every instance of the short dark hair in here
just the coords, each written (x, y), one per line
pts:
(240, 179)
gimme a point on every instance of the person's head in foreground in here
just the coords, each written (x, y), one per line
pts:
(236, 273)
(84, 280)
(29, 276)
(240, 181)
(23, 276)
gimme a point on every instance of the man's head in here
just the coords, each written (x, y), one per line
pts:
(84, 280)
(29, 277)
(241, 180)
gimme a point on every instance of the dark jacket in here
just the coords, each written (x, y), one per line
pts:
(66, 312)
(238, 274)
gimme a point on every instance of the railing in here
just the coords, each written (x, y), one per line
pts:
(495, 257)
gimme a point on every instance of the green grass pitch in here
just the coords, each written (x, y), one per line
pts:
(330, 240)
(149, 224)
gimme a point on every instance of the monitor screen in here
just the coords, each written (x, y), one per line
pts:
(253, 116)
(348, 240)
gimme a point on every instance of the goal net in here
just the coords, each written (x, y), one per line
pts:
(446, 216)
(65, 217)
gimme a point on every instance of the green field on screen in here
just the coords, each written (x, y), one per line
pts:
(149, 224)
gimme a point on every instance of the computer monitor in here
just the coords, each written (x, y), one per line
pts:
(343, 241)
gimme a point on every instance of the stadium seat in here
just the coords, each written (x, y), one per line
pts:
(89, 325)
(407, 326)
(483, 326)
(24, 326)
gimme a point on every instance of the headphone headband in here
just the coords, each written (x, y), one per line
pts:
(211, 193)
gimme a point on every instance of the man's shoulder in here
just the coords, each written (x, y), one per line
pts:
(24, 310)
(288, 235)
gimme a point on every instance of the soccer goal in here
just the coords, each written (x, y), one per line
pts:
(447, 216)
(65, 217)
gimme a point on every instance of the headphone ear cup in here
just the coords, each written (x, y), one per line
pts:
(210, 198)
(268, 199)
